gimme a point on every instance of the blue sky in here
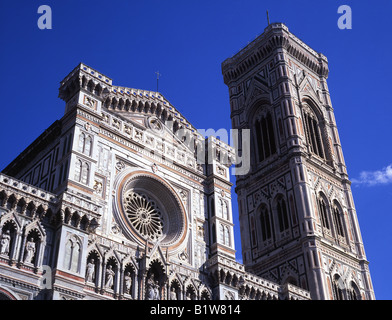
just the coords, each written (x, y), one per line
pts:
(187, 41)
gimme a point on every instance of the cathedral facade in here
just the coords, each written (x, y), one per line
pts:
(122, 198)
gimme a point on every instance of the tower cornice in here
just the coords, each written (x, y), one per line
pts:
(275, 36)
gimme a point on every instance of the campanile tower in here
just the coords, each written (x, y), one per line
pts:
(297, 216)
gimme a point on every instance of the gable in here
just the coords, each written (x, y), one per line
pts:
(309, 87)
(153, 131)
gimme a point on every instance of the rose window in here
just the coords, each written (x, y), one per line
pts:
(148, 210)
(143, 214)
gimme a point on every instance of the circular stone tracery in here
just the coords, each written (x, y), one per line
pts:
(143, 214)
(148, 208)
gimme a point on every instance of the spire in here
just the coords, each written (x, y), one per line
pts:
(158, 75)
(268, 18)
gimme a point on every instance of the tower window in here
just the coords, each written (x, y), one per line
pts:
(323, 213)
(253, 231)
(227, 236)
(338, 221)
(283, 218)
(265, 223)
(265, 136)
(338, 288)
(313, 132)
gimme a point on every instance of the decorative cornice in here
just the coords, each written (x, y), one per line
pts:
(22, 188)
(275, 36)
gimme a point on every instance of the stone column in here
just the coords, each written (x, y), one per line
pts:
(15, 247)
(121, 281)
(103, 274)
(98, 274)
(39, 254)
(142, 285)
(22, 249)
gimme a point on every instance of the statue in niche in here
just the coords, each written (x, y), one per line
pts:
(109, 276)
(152, 288)
(5, 243)
(229, 295)
(29, 251)
(173, 294)
(127, 282)
(90, 273)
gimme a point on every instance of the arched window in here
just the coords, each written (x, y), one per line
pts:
(337, 217)
(223, 209)
(222, 234)
(82, 172)
(78, 170)
(323, 213)
(82, 138)
(85, 143)
(283, 217)
(313, 132)
(227, 236)
(338, 288)
(72, 254)
(253, 231)
(265, 137)
(265, 223)
(85, 173)
(353, 292)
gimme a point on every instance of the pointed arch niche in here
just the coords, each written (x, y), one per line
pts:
(315, 130)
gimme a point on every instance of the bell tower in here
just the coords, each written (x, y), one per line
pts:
(297, 216)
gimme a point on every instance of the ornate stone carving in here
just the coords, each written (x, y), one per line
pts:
(5, 243)
(155, 124)
(144, 215)
(89, 102)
